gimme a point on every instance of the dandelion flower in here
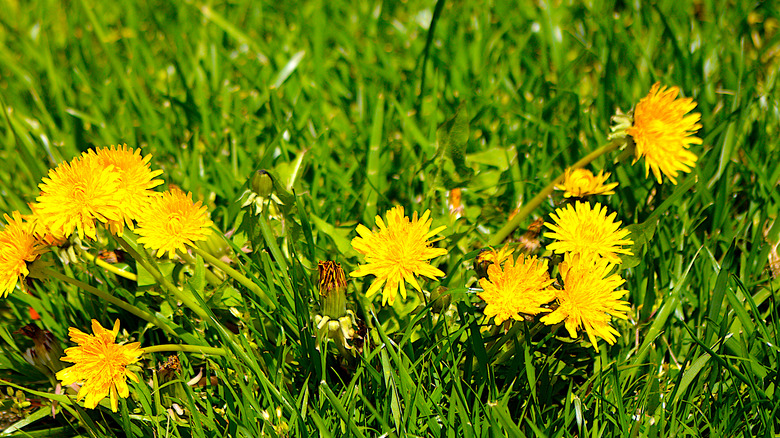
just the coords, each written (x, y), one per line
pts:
(172, 221)
(588, 298)
(18, 246)
(487, 257)
(578, 183)
(589, 232)
(100, 364)
(396, 253)
(521, 286)
(663, 132)
(136, 181)
(76, 194)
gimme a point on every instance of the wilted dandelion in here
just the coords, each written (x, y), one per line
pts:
(520, 286)
(171, 222)
(588, 298)
(586, 231)
(100, 365)
(398, 252)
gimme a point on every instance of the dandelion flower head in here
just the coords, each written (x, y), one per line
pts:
(397, 252)
(520, 286)
(587, 231)
(172, 221)
(100, 364)
(18, 246)
(578, 183)
(77, 193)
(588, 298)
(662, 132)
(136, 181)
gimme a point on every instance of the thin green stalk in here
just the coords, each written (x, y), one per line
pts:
(210, 276)
(513, 223)
(161, 280)
(146, 316)
(185, 348)
(239, 277)
(107, 266)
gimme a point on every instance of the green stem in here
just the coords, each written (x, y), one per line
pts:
(513, 223)
(146, 316)
(107, 266)
(210, 276)
(185, 348)
(239, 277)
(161, 280)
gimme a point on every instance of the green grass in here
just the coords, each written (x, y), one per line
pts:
(327, 96)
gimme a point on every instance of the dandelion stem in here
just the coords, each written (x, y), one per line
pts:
(513, 223)
(107, 266)
(162, 281)
(146, 316)
(210, 276)
(185, 348)
(241, 278)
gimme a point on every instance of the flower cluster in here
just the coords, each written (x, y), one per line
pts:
(574, 281)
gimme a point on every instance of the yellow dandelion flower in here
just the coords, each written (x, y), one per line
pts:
(18, 246)
(588, 298)
(397, 253)
(663, 132)
(100, 365)
(172, 221)
(589, 232)
(578, 183)
(521, 286)
(136, 181)
(489, 256)
(76, 194)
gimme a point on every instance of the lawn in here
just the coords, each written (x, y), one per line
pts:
(287, 136)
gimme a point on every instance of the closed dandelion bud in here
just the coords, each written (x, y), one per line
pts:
(333, 289)
(334, 321)
(440, 300)
(46, 353)
(262, 183)
(215, 245)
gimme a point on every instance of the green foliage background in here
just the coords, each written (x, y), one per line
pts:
(330, 96)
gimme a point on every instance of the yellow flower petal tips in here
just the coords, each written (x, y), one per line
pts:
(100, 365)
(397, 252)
